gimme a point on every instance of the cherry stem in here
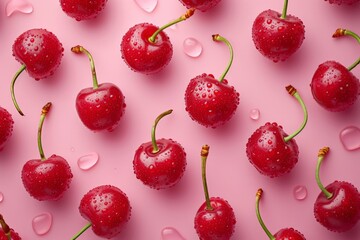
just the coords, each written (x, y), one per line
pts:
(81, 231)
(284, 11)
(12, 86)
(44, 111)
(218, 38)
(204, 155)
(293, 92)
(321, 155)
(80, 49)
(5, 227)
(187, 15)
(258, 197)
(153, 130)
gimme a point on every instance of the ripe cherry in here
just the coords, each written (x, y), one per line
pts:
(343, 2)
(6, 127)
(270, 150)
(160, 163)
(82, 9)
(202, 5)
(7, 233)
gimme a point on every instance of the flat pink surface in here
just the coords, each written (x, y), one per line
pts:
(259, 81)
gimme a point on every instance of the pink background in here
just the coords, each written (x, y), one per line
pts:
(259, 81)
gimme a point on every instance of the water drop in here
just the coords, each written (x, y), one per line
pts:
(1, 197)
(192, 47)
(72, 149)
(88, 161)
(300, 192)
(255, 114)
(22, 6)
(42, 223)
(350, 138)
(147, 5)
(170, 233)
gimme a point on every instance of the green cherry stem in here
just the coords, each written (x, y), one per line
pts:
(12, 89)
(187, 15)
(44, 111)
(218, 38)
(321, 155)
(5, 227)
(293, 92)
(284, 11)
(81, 231)
(204, 155)
(153, 130)
(258, 197)
(80, 49)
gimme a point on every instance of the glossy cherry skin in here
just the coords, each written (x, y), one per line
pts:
(202, 5)
(162, 169)
(107, 208)
(334, 87)
(341, 212)
(216, 224)
(101, 108)
(210, 102)
(40, 51)
(82, 9)
(46, 179)
(289, 234)
(144, 56)
(14, 235)
(343, 2)
(277, 38)
(269, 153)
(6, 127)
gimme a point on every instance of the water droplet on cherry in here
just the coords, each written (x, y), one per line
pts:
(147, 5)
(255, 114)
(88, 161)
(192, 47)
(300, 192)
(170, 233)
(1, 197)
(22, 6)
(42, 223)
(350, 138)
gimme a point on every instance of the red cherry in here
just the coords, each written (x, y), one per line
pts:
(46, 179)
(108, 210)
(99, 107)
(337, 207)
(40, 52)
(160, 163)
(145, 48)
(277, 36)
(82, 9)
(270, 150)
(7, 233)
(202, 5)
(282, 234)
(215, 219)
(209, 101)
(343, 2)
(6, 127)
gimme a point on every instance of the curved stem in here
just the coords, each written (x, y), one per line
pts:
(153, 130)
(258, 197)
(284, 11)
(12, 86)
(321, 155)
(218, 38)
(80, 49)
(293, 92)
(81, 231)
(44, 111)
(6, 229)
(188, 14)
(204, 155)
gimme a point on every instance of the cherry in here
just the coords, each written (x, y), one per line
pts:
(160, 163)
(270, 150)
(282, 234)
(333, 86)
(337, 207)
(209, 101)
(146, 48)
(99, 107)
(202, 5)
(341, 2)
(40, 53)
(108, 210)
(6, 127)
(277, 36)
(82, 9)
(46, 178)
(215, 219)
(7, 233)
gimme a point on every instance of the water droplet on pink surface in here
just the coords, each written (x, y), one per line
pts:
(255, 114)
(350, 138)
(300, 192)
(192, 47)
(72, 149)
(147, 5)
(88, 161)
(22, 6)
(42, 223)
(170, 233)
(1, 197)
